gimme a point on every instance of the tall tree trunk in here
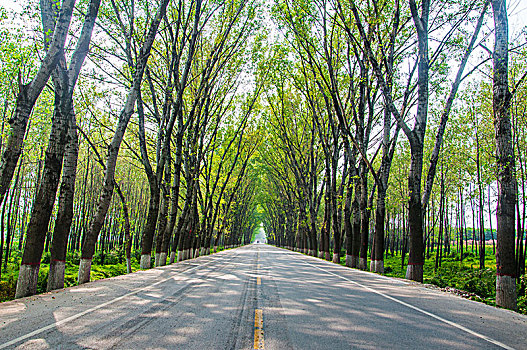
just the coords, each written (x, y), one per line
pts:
(65, 211)
(355, 225)
(505, 259)
(163, 215)
(348, 228)
(64, 81)
(29, 93)
(364, 219)
(414, 270)
(377, 260)
(127, 237)
(480, 211)
(176, 185)
(43, 205)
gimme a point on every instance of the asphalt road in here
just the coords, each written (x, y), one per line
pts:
(251, 297)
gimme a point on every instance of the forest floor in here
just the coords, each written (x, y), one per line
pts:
(465, 278)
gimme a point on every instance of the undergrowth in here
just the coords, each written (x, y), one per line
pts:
(463, 278)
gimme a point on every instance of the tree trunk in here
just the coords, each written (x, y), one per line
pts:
(380, 215)
(364, 220)
(147, 237)
(414, 270)
(505, 259)
(65, 211)
(28, 94)
(43, 205)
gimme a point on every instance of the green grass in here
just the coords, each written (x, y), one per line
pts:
(471, 282)
(115, 265)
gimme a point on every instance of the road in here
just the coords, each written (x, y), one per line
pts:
(260, 236)
(256, 296)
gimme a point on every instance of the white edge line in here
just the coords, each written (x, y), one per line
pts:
(439, 318)
(95, 308)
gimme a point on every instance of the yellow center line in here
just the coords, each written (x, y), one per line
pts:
(258, 329)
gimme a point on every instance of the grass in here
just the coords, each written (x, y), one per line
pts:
(114, 265)
(464, 278)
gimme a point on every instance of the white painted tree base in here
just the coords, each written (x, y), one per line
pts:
(56, 275)
(156, 259)
(351, 261)
(84, 271)
(363, 264)
(505, 292)
(128, 265)
(328, 256)
(145, 262)
(321, 255)
(377, 266)
(179, 255)
(336, 258)
(162, 259)
(27, 281)
(172, 258)
(414, 273)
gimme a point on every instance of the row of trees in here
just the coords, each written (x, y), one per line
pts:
(154, 101)
(202, 127)
(367, 93)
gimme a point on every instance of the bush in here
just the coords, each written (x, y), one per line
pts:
(42, 283)
(480, 282)
(46, 258)
(73, 258)
(109, 258)
(7, 289)
(70, 280)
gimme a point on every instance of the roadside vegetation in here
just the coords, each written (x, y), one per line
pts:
(109, 264)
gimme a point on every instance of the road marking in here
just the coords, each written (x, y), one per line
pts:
(258, 280)
(258, 329)
(439, 318)
(95, 308)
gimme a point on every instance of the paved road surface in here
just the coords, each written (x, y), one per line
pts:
(256, 296)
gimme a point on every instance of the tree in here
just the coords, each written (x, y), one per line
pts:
(64, 80)
(88, 247)
(507, 187)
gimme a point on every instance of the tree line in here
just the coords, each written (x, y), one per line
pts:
(356, 130)
(369, 94)
(127, 126)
